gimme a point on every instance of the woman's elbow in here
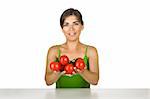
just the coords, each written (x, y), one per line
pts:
(95, 82)
(48, 83)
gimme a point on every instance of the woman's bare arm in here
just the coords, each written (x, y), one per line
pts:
(91, 75)
(51, 76)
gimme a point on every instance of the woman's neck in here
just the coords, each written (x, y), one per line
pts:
(73, 45)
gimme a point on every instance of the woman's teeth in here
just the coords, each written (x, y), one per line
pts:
(72, 34)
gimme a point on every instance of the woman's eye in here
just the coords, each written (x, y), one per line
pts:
(65, 25)
(76, 23)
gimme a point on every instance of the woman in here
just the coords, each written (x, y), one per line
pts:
(72, 24)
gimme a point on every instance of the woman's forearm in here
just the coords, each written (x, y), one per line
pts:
(52, 78)
(90, 77)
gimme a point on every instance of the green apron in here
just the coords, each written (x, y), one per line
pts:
(75, 81)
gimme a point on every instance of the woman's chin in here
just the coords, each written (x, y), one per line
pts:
(72, 38)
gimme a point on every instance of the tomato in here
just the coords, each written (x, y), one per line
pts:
(62, 68)
(64, 60)
(69, 68)
(79, 64)
(55, 66)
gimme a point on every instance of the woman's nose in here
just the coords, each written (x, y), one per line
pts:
(71, 27)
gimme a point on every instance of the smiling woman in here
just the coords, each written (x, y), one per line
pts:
(81, 66)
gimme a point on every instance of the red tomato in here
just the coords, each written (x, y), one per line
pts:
(55, 66)
(64, 60)
(62, 68)
(69, 68)
(79, 64)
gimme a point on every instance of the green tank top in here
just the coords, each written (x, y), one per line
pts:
(75, 81)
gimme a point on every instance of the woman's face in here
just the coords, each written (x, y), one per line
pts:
(72, 28)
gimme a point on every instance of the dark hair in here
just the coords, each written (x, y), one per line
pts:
(69, 12)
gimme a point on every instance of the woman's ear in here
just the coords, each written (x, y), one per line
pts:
(62, 29)
(82, 27)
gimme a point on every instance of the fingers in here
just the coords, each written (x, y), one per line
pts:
(56, 72)
(63, 72)
(85, 67)
(79, 71)
(74, 68)
(73, 72)
(69, 75)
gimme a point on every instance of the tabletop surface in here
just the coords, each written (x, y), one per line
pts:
(74, 94)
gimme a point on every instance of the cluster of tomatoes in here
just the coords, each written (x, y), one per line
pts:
(68, 66)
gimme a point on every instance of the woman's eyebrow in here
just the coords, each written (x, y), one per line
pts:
(73, 22)
(66, 23)
(76, 21)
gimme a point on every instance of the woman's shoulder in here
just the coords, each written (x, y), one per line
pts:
(91, 50)
(90, 47)
(53, 48)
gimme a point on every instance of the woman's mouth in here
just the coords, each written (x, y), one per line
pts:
(72, 33)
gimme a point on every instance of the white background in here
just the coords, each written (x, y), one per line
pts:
(119, 29)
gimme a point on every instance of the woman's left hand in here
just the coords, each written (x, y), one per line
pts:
(80, 71)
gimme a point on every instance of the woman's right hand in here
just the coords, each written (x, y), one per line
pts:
(59, 73)
(53, 76)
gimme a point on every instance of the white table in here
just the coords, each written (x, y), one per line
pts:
(74, 94)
